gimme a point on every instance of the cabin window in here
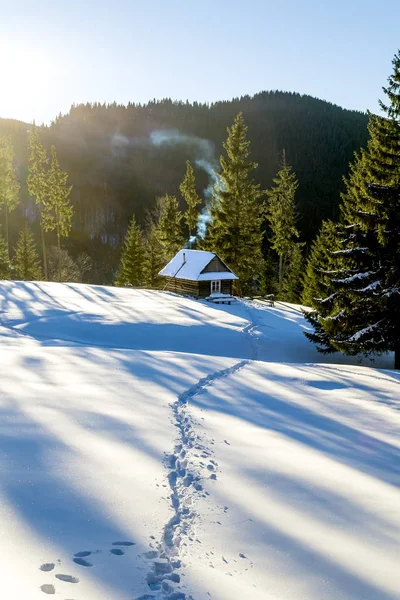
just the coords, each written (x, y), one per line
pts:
(216, 287)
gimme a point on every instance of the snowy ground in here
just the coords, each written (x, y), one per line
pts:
(158, 447)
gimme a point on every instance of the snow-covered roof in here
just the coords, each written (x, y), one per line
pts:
(216, 275)
(188, 264)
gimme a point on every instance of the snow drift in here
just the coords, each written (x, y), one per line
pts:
(158, 447)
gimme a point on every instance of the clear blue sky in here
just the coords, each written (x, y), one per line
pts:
(54, 53)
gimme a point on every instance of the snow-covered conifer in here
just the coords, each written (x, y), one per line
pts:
(359, 313)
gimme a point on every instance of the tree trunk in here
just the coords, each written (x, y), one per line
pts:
(280, 272)
(59, 256)
(46, 274)
(397, 356)
(7, 240)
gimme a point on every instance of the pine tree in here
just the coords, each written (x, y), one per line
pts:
(5, 265)
(169, 227)
(269, 279)
(37, 182)
(293, 281)
(359, 313)
(9, 184)
(153, 261)
(58, 212)
(26, 261)
(131, 270)
(235, 230)
(353, 305)
(379, 163)
(281, 214)
(383, 332)
(320, 260)
(193, 201)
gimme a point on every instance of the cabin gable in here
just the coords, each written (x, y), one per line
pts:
(216, 265)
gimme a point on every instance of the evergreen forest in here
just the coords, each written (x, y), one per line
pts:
(120, 159)
(299, 197)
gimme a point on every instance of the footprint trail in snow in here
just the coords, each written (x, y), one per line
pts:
(80, 559)
(186, 471)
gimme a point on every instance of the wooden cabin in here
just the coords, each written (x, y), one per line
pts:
(197, 273)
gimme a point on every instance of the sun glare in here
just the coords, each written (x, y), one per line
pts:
(26, 74)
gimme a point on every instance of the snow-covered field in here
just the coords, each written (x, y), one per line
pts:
(158, 447)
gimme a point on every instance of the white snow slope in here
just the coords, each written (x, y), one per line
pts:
(157, 447)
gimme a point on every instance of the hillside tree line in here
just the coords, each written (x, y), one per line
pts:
(341, 259)
(120, 159)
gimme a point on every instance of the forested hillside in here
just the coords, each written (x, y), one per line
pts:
(120, 158)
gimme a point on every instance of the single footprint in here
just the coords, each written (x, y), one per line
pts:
(47, 567)
(83, 553)
(47, 588)
(126, 543)
(117, 551)
(82, 562)
(67, 578)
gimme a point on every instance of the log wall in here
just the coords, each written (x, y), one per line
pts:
(182, 286)
(197, 289)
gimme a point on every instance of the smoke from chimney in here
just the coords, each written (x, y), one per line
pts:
(201, 149)
(204, 149)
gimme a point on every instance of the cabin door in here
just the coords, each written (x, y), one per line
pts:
(216, 287)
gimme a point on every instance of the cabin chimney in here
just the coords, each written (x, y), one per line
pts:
(184, 258)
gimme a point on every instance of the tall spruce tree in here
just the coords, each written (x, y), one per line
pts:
(26, 261)
(281, 214)
(153, 260)
(5, 265)
(293, 281)
(58, 212)
(352, 318)
(382, 334)
(193, 201)
(38, 184)
(131, 270)
(320, 261)
(235, 230)
(358, 315)
(379, 163)
(169, 226)
(9, 184)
